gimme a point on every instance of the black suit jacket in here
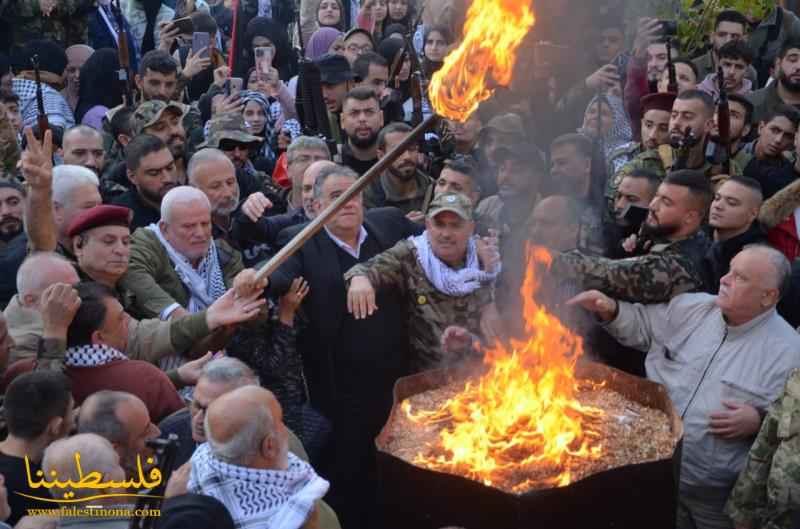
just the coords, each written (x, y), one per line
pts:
(325, 307)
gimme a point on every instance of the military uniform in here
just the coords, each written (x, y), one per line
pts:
(767, 493)
(9, 149)
(66, 24)
(618, 158)
(667, 270)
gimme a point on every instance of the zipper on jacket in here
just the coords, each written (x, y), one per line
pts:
(705, 372)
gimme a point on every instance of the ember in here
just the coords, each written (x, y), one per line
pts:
(528, 422)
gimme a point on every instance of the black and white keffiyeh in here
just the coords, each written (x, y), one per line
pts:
(91, 355)
(258, 499)
(446, 280)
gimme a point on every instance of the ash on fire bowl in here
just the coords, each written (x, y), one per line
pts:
(635, 496)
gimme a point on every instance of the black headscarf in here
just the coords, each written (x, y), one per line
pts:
(285, 61)
(389, 48)
(99, 82)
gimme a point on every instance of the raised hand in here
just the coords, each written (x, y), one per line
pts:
(37, 160)
(291, 301)
(230, 309)
(596, 302)
(255, 206)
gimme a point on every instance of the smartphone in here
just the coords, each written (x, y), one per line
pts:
(236, 84)
(185, 24)
(201, 41)
(264, 56)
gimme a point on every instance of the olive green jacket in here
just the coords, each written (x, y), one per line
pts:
(152, 279)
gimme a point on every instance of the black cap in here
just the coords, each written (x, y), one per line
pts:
(195, 511)
(333, 69)
(52, 57)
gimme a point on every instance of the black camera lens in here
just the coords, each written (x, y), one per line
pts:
(669, 27)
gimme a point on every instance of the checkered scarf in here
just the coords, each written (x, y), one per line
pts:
(91, 355)
(258, 499)
(446, 280)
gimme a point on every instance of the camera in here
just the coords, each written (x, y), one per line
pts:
(669, 28)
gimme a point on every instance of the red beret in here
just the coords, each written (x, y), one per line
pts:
(97, 216)
(659, 101)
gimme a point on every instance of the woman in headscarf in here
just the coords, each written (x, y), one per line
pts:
(401, 12)
(372, 15)
(100, 88)
(322, 41)
(265, 32)
(330, 14)
(265, 118)
(437, 43)
(605, 121)
(145, 18)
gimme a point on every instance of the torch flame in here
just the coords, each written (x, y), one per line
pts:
(493, 31)
(522, 414)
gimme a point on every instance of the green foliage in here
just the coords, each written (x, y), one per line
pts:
(696, 20)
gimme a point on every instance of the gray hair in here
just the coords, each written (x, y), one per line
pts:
(68, 178)
(96, 453)
(246, 441)
(230, 372)
(99, 415)
(327, 172)
(181, 195)
(311, 143)
(204, 156)
(33, 277)
(781, 265)
(81, 130)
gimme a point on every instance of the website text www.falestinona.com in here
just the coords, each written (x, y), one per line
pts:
(96, 512)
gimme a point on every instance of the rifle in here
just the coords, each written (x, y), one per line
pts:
(684, 146)
(417, 79)
(166, 450)
(311, 110)
(124, 72)
(41, 119)
(724, 123)
(672, 87)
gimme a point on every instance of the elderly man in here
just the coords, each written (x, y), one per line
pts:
(122, 419)
(350, 364)
(83, 146)
(734, 218)
(723, 359)
(245, 430)
(77, 55)
(39, 409)
(97, 455)
(252, 223)
(438, 274)
(214, 174)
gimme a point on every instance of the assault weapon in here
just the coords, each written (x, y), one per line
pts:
(672, 87)
(311, 110)
(124, 72)
(41, 119)
(719, 151)
(165, 450)
(684, 146)
(417, 79)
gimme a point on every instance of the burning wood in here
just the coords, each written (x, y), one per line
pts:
(528, 422)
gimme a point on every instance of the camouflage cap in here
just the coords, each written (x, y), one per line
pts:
(453, 202)
(149, 112)
(229, 126)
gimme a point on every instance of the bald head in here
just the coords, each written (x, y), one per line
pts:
(96, 455)
(245, 427)
(554, 223)
(38, 272)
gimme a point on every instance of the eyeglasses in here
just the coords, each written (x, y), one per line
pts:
(355, 48)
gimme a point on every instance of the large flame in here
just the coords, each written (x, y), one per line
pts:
(522, 413)
(493, 31)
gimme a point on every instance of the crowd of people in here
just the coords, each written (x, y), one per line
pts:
(156, 153)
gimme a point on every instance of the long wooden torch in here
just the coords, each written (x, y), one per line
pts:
(358, 186)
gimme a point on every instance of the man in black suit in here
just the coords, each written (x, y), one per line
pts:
(351, 365)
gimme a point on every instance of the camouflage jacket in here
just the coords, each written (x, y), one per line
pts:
(9, 149)
(664, 272)
(767, 493)
(652, 160)
(67, 24)
(430, 311)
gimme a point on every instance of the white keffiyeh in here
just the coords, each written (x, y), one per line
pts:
(446, 280)
(258, 499)
(205, 284)
(91, 355)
